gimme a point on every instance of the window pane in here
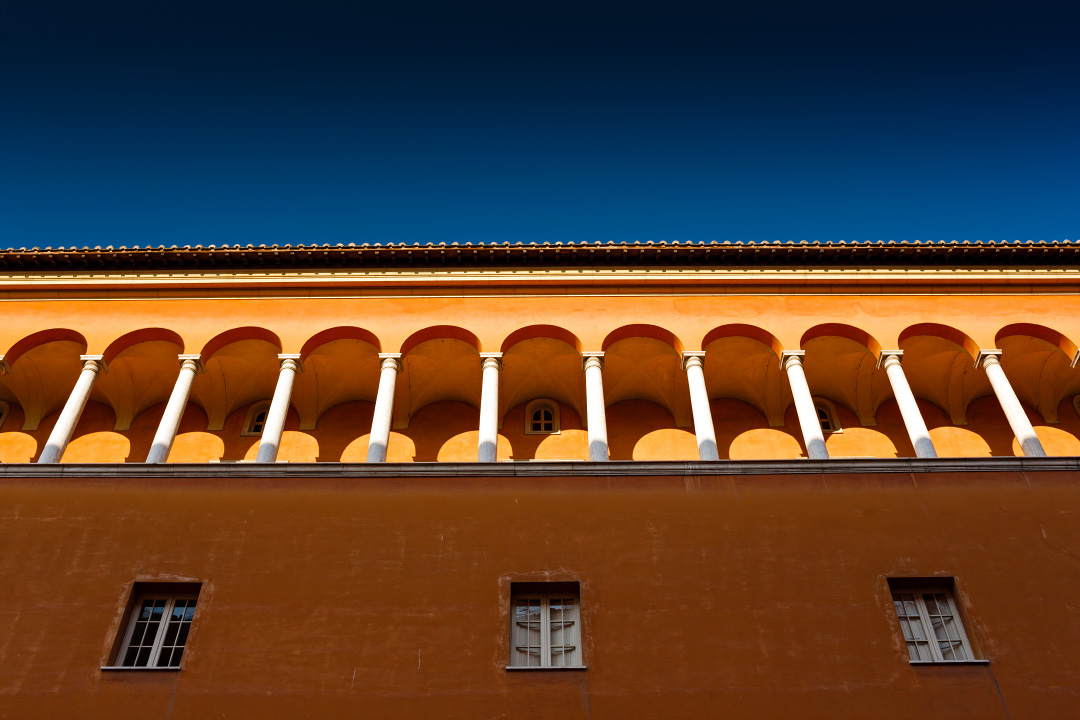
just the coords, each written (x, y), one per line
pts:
(945, 626)
(525, 639)
(564, 632)
(144, 633)
(176, 633)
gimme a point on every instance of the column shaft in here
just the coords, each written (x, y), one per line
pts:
(804, 407)
(384, 409)
(279, 408)
(594, 408)
(174, 411)
(1014, 411)
(909, 409)
(699, 404)
(489, 408)
(69, 416)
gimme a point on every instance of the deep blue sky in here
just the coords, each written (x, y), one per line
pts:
(162, 122)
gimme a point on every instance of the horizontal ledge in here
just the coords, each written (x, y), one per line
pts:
(544, 669)
(949, 662)
(140, 669)
(540, 468)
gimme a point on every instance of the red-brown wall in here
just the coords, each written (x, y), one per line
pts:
(734, 596)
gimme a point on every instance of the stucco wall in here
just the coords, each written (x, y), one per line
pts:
(703, 596)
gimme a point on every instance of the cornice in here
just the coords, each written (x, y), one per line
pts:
(721, 280)
(301, 472)
(1055, 253)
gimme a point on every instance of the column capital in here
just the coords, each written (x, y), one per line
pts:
(883, 358)
(595, 358)
(390, 360)
(791, 357)
(293, 358)
(491, 359)
(991, 356)
(193, 361)
(693, 357)
(95, 363)
(5, 369)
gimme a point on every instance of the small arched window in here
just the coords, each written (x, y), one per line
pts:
(256, 419)
(542, 417)
(826, 415)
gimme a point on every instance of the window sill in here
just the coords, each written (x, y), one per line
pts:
(949, 662)
(112, 668)
(544, 669)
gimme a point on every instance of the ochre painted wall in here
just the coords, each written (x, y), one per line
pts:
(447, 432)
(842, 330)
(722, 596)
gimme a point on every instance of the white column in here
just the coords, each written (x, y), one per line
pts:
(489, 407)
(384, 407)
(1014, 411)
(279, 408)
(594, 406)
(791, 361)
(694, 364)
(909, 409)
(73, 408)
(191, 365)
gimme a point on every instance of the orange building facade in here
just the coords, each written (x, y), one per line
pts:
(587, 481)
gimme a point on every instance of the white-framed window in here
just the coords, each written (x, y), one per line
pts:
(545, 627)
(256, 419)
(826, 415)
(157, 631)
(542, 417)
(931, 625)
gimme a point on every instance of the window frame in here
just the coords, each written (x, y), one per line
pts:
(558, 591)
(153, 594)
(249, 419)
(926, 624)
(538, 404)
(822, 404)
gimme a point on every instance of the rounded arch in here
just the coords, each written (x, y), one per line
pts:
(1041, 332)
(646, 331)
(135, 337)
(540, 331)
(41, 338)
(944, 332)
(344, 332)
(741, 330)
(440, 332)
(236, 335)
(849, 332)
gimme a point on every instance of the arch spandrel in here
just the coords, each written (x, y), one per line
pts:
(841, 365)
(541, 361)
(440, 367)
(644, 362)
(1039, 364)
(440, 332)
(654, 332)
(742, 362)
(340, 365)
(42, 370)
(241, 367)
(939, 363)
(141, 373)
